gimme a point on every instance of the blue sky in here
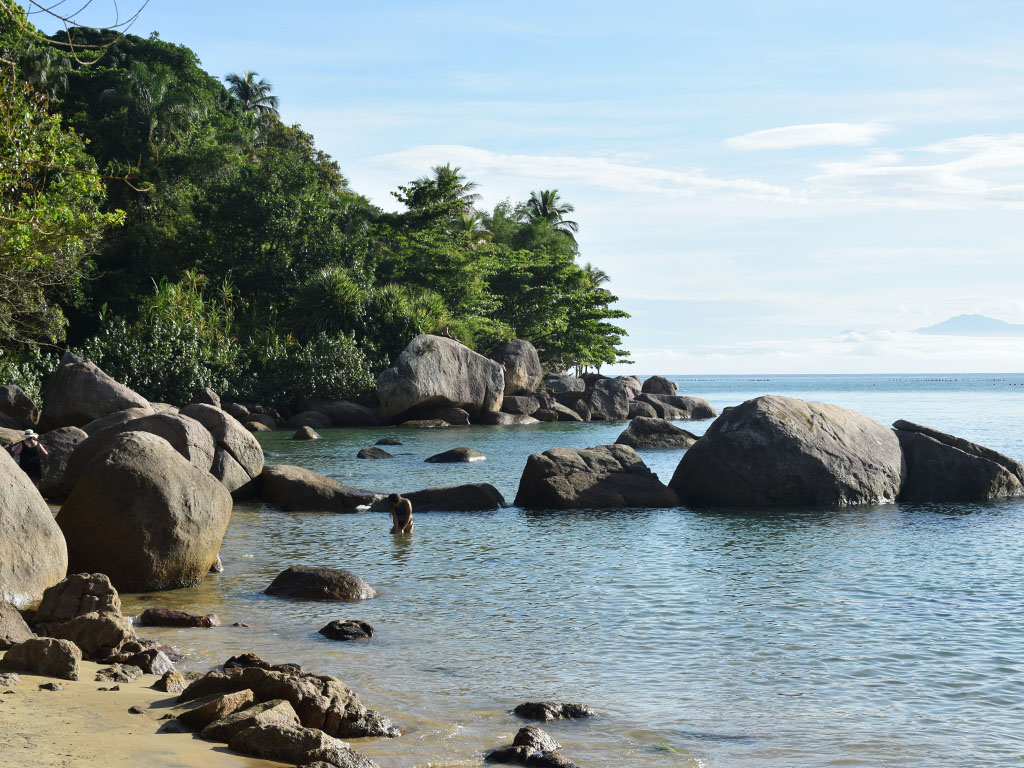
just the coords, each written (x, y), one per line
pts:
(781, 187)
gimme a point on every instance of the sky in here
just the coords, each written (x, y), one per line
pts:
(784, 187)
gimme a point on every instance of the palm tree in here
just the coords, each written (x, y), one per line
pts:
(253, 94)
(595, 275)
(546, 206)
(471, 225)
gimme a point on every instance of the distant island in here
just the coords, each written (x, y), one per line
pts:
(974, 325)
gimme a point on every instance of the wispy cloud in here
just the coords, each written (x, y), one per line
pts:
(810, 135)
(589, 170)
(966, 172)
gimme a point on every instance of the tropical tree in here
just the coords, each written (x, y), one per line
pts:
(473, 227)
(445, 187)
(547, 206)
(253, 94)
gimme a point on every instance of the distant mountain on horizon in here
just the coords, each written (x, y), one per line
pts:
(973, 325)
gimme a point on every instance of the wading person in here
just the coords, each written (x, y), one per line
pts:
(401, 514)
(31, 455)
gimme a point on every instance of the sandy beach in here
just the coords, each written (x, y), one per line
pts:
(83, 727)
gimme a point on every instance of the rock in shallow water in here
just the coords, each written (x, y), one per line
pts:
(532, 747)
(373, 452)
(780, 451)
(307, 583)
(456, 456)
(350, 629)
(169, 617)
(553, 710)
(643, 433)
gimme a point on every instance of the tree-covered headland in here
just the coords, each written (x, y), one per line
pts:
(168, 225)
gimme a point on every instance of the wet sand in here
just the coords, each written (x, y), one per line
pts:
(82, 727)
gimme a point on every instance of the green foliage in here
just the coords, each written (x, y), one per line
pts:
(27, 367)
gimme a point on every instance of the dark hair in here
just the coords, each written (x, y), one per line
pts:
(394, 498)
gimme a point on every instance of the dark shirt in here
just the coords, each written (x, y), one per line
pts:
(31, 460)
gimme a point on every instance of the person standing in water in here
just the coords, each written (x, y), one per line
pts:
(401, 514)
(31, 455)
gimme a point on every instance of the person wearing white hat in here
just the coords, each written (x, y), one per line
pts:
(31, 455)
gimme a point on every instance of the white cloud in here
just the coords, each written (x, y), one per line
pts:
(982, 170)
(593, 171)
(810, 135)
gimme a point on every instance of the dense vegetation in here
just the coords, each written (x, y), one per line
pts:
(175, 230)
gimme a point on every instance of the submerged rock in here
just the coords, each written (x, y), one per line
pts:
(305, 433)
(169, 617)
(471, 497)
(295, 488)
(553, 710)
(605, 476)
(373, 452)
(306, 583)
(349, 629)
(456, 456)
(780, 451)
(532, 747)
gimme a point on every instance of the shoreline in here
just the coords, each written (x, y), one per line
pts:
(82, 727)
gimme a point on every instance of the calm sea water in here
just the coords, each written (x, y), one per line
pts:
(876, 636)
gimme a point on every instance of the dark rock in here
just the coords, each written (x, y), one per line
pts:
(51, 687)
(217, 709)
(425, 424)
(550, 414)
(244, 660)
(679, 407)
(555, 383)
(33, 554)
(297, 745)
(455, 417)
(60, 443)
(342, 413)
(350, 629)
(631, 385)
(532, 747)
(207, 396)
(456, 456)
(373, 453)
(655, 433)
(640, 408)
(780, 451)
(98, 635)
(169, 617)
(118, 673)
(520, 365)
(44, 656)
(389, 441)
(236, 411)
(313, 419)
(255, 426)
(432, 372)
(116, 419)
(145, 516)
(77, 393)
(13, 628)
(553, 710)
(294, 488)
(605, 476)
(305, 433)
(218, 566)
(136, 710)
(210, 684)
(471, 497)
(274, 712)
(526, 405)
(18, 407)
(941, 467)
(583, 409)
(659, 385)
(171, 682)
(265, 420)
(152, 662)
(305, 583)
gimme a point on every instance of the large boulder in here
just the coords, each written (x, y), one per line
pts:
(13, 628)
(238, 456)
(558, 383)
(45, 656)
(275, 711)
(18, 407)
(296, 745)
(605, 476)
(313, 419)
(434, 371)
(307, 583)
(780, 451)
(679, 407)
(520, 364)
(116, 418)
(145, 516)
(609, 400)
(655, 433)
(659, 385)
(525, 405)
(33, 555)
(291, 488)
(460, 455)
(941, 467)
(60, 444)
(79, 392)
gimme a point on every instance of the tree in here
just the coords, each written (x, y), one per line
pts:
(445, 188)
(253, 95)
(545, 206)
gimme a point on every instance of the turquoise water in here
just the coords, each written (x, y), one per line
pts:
(878, 636)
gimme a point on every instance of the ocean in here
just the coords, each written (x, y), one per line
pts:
(885, 635)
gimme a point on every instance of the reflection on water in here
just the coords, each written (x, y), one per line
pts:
(883, 636)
